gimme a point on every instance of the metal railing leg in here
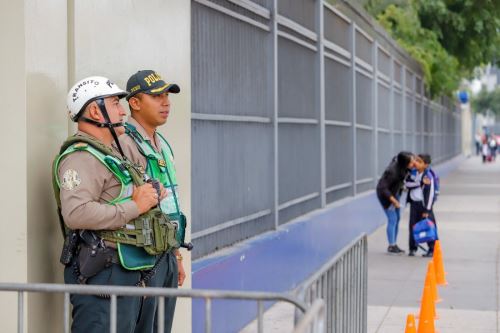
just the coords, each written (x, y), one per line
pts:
(112, 314)
(208, 315)
(20, 312)
(260, 320)
(161, 314)
(66, 312)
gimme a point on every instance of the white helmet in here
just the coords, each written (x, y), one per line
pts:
(88, 90)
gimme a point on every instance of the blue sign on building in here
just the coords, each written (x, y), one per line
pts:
(463, 96)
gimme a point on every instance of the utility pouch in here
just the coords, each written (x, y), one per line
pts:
(93, 257)
(164, 234)
(69, 247)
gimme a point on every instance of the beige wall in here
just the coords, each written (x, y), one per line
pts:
(52, 44)
(467, 138)
(13, 247)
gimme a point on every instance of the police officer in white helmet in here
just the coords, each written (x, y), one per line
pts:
(96, 201)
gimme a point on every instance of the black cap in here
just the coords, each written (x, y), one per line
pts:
(149, 82)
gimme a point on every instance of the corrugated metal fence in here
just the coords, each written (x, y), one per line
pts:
(297, 104)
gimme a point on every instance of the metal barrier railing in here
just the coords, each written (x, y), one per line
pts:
(313, 316)
(313, 320)
(343, 284)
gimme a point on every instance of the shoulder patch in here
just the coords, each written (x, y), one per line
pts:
(70, 180)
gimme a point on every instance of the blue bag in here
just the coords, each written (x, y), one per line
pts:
(424, 231)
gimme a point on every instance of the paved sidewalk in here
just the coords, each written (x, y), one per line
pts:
(468, 217)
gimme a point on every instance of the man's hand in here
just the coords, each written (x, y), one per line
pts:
(163, 192)
(145, 197)
(427, 180)
(425, 215)
(181, 274)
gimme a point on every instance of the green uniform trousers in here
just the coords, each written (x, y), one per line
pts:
(166, 276)
(92, 313)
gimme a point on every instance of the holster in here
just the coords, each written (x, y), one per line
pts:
(93, 257)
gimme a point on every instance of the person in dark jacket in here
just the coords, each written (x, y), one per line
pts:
(389, 189)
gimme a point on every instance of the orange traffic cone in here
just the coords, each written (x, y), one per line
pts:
(410, 324)
(427, 310)
(438, 264)
(430, 280)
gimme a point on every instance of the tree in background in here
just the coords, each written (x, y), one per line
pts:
(449, 38)
(486, 100)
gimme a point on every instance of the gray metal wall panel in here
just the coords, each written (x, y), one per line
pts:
(384, 148)
(418, 116)
(397, 72)
(398, 111)
(231, 171)
(337, 30)
(337, 195)
(299, 157)
(409, 80)
(337, 91)
(384, 117)
(364, 102)
(264, 3)
(384, 63)
(339, 159)
(216, 241)
(398, 143)
(360, 188)
(297, 78)
(363, 48)
(364, 154)
(410, 114)
(300, 11)
(236, 82)
(294, 211)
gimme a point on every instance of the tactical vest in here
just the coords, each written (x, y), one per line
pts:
(160, 166)
(140, 239)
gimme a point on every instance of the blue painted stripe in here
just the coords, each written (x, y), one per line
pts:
(279, 261)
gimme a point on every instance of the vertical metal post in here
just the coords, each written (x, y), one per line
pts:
(392, 112)
(375, 111)
(112, 314)
(161, 314)
(66, 312)
(275, 111)
(403, 106)
(260, 318)
(353, 108)
(321, 93)
(208, 315)
(20, 311)
(422, 116)
(365, 285)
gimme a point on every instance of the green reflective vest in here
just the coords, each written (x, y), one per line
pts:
(160, 166)
(141, 239)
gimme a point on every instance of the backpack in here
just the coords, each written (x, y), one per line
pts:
(436, 183)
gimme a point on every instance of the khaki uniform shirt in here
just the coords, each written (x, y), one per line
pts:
(87, 186)
(130, 147)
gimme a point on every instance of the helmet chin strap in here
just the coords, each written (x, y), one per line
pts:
(111, 126)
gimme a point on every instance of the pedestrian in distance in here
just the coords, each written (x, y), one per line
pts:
(104, 205)
(389, 188)
(149, 105)
(423, 187)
